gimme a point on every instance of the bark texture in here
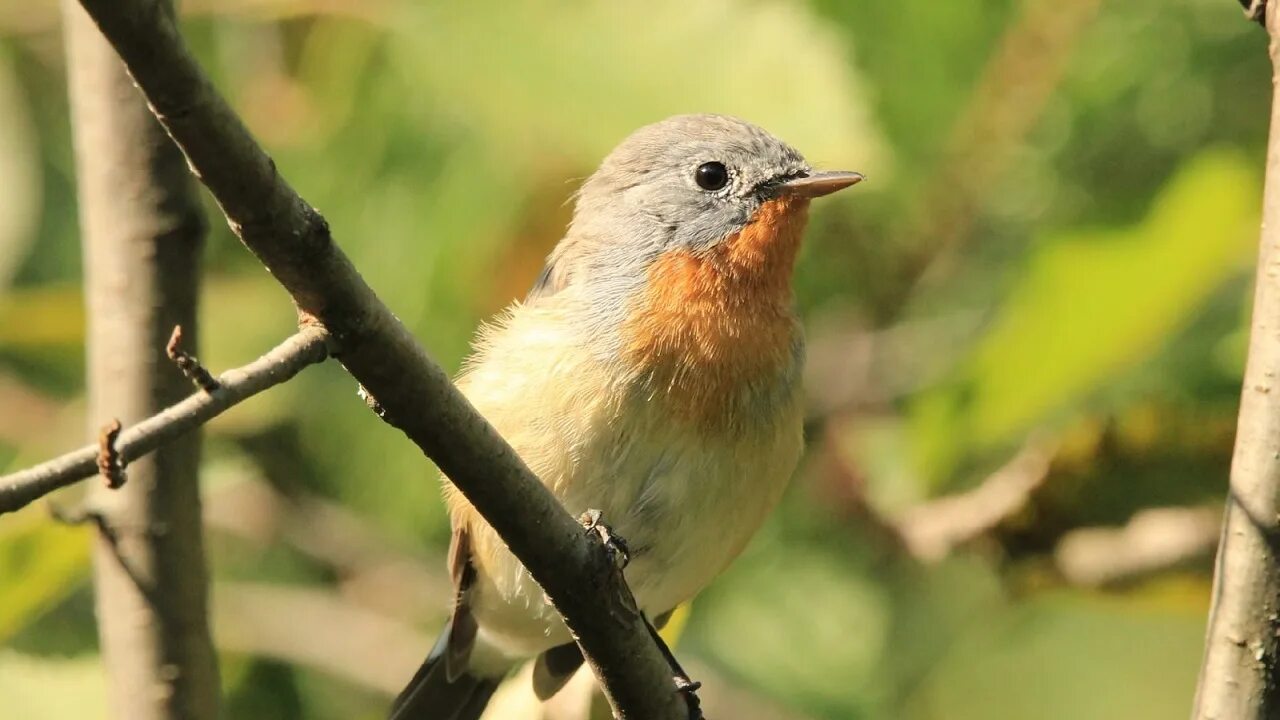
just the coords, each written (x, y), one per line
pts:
(1238, 680)
(142, 231)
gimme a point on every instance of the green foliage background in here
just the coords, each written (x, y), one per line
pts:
(1056, 238)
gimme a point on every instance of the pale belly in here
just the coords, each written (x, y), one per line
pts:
(687, 490)
(687, 502)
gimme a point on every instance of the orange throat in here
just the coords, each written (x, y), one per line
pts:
(709, 327)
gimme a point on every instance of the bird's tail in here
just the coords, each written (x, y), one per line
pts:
(433, 695)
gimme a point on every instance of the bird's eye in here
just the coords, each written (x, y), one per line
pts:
(712, 176)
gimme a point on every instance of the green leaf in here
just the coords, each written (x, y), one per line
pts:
(20, 173)
(41, 562)
(42, 317)
(1090, 305)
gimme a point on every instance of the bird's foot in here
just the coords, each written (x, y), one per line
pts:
(689, 689)
(614, 544)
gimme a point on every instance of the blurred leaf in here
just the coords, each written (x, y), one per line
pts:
(241, 317)
(19, 173)
(1061, 657)
(263, 688)
(582, 77)
(41, 562)
(48, 689)
(1091, 304)
(41, 317)
(920, 86)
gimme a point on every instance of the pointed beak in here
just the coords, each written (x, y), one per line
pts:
(820, 183)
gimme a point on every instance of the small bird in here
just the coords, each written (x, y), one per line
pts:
(651, 377)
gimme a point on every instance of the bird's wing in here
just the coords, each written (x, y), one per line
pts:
(553, 669)
(548, 283)
(555, 274)
(462, 633)
(444, 688)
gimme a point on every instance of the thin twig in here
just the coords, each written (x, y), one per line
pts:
(933, 529)
(82, 514)
(414, 393)
(76, 515)
(1255, 10)
(110, 466)
(307, 347)
(1154, 540)
(188, 363)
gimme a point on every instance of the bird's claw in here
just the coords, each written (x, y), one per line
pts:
(689, 689)
(614, 544)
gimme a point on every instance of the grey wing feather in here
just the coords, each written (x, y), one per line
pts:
(462, 624)
(555, 274)
(553, 669)
(444, 687)
(546, 283)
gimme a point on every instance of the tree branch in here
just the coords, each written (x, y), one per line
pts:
(1154, 540)
(1239, 677)
(931, 530)
(412, 392)
(235, 386)
(142, 231)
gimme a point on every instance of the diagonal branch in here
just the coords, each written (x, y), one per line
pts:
(411, 392)
(1153, 540)
(235, 386)
(932, 530)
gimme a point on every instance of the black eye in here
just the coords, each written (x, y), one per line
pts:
(712, 176)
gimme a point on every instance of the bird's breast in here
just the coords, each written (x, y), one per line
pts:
(710, 331)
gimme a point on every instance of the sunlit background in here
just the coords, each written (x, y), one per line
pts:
(1027, 334)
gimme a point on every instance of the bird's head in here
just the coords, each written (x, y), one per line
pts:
(682, 246)
(693, 186)
(692, 182)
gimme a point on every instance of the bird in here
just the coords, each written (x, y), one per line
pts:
(651, 378)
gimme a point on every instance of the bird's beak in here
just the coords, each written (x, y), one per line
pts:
(819, 184)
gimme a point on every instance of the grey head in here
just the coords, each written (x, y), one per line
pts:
(687, 182)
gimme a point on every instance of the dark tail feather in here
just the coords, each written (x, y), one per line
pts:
(431, 695)
(553, 669)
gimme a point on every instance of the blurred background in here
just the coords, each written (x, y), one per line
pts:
(1027, 335)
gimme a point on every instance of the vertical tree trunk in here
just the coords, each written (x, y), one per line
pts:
(1239, 678)
(142, 230)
